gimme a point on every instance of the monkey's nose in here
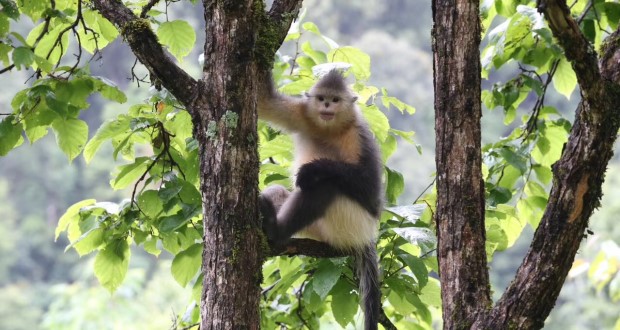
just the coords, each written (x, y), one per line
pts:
(327, 104)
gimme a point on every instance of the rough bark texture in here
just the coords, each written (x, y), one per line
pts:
(577, 180)
(460, 190)
(222, 105)
(226, 132)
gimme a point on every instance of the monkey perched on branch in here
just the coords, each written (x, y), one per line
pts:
(337, 167)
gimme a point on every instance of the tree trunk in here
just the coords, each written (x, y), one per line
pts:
(460, 190)
(577, 179)
(225, 128)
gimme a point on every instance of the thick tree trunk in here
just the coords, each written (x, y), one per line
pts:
(460, 190)
(225, 128)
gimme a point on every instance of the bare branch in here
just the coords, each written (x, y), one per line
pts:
(143, 42)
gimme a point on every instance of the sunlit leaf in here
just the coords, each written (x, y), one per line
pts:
(71, 135)
(111, 264)
(186, 264)
(179, 36)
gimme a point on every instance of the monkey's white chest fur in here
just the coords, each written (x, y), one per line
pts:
(346, 225)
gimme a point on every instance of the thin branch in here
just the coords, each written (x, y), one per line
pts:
(138, 34)
(385, 321)
(148, 7)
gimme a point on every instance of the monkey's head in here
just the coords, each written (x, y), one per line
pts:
(330, 102)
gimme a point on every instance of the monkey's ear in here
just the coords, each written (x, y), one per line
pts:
(353, 99)
(307, 95)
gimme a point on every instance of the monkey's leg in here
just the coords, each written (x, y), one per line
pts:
(271, 200)
(301, 209)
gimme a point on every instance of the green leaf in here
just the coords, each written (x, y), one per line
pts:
(411, 213)
(178, 36)
(9, 8)
(106, 131)
(71, 135)
(150, 203)
(344, 302)
(388, 147)
(111, 264)
(72, 214)
(564, 80)
(33, 8)
(106, 32)
(417, 267)
(128, 174)
(4, 53)
(22, 57)
(173, 222)
(354, 56)
(186, 264)
(10, 134)
(89, 241)
(379, 123)
(109, 90)
(325, 277)
(150, 246)
(395, 185)
(431, 293)
(4, 25)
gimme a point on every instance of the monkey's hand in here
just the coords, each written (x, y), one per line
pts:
(270, 218)
(315, 172)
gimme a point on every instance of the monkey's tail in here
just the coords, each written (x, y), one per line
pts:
(370, 290)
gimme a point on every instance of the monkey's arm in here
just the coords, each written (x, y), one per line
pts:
(281, 110)
(355, 181)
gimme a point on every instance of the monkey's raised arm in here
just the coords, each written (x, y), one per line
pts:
(282, 110)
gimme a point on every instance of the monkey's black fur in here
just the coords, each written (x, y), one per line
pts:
(322, 181)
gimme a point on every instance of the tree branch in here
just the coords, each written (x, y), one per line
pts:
(143, 42)
(577, 179)
(273, 31)
(306, 247)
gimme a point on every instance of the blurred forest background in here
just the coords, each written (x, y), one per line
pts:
(42, 287)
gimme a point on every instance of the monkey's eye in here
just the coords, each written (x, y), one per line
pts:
(320, 98)
(336, 99)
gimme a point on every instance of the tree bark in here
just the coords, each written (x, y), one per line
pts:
(577, 179)
(460, 189)
(222, 105)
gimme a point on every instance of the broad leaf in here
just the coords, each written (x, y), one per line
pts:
(10, 134)
(325, 278)
(71, 135)
(178, 36)
(111, 264)
(186, 264)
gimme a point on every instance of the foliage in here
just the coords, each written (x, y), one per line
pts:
(155, 140)
(161, 169)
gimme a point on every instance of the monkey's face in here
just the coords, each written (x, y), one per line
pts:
(327, 106)
(329, 109)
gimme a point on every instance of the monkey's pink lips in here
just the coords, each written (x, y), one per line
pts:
(326, 115)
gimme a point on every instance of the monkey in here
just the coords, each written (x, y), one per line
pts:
(337, 174)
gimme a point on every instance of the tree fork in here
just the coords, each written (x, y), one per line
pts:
(577, 178)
